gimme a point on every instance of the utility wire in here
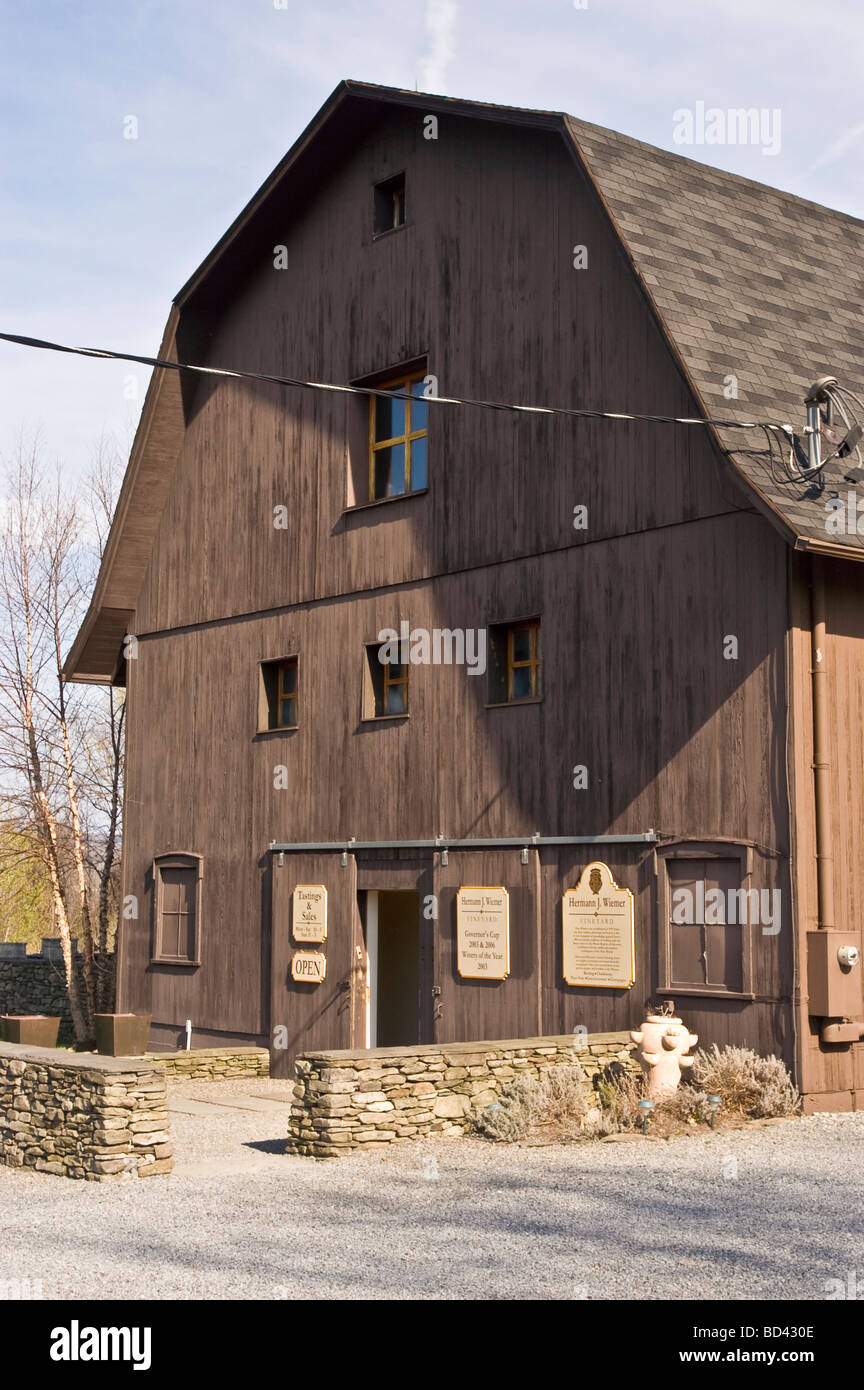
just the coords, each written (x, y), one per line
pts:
(390, 395)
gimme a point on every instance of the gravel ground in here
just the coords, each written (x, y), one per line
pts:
(768, 1213)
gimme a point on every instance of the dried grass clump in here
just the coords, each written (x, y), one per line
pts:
(759, 1087)
(511, 1115)
(559, 1098)
(749, 1085)
(618, 1095)
(687, 1103)
(562, 1097)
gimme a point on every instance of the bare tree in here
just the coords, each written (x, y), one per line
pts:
(61, 747)
(33, 542)
(107, 747)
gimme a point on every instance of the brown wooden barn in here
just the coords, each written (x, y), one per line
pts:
(673, 635)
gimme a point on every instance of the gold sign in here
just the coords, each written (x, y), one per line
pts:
(597, 923)
(309, 912)
(310, 967)
(483, 933)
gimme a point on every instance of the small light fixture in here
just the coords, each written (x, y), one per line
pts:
(713, 1104)
(646, 1106)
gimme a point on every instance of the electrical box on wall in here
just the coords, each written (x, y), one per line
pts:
(834, 974)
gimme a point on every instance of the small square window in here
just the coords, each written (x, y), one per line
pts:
(514, 662)
(385, 686)
(389, 204)
(278, 702)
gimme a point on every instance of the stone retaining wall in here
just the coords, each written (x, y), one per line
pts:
(83, 1117)
(369, 1098)
(214, 1063)
(36, 984)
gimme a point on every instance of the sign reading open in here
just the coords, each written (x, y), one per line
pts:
(309, 967)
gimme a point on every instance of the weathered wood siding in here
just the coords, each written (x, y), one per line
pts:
(634, 609)
(481, 280)
(833, 1071)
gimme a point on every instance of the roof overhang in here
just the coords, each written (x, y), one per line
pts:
(96, 653)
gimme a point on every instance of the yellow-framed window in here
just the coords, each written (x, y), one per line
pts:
(385, 692)
(398, 439)
(287, 694)
(523, 661)
(394, 693)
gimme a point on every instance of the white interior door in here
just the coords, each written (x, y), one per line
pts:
(372, 969)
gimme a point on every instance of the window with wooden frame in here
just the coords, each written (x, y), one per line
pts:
(514, 662)
(279, 694)
(389, 205)
(177, 882)
(398, 438)
(385, 686)
(706, 912)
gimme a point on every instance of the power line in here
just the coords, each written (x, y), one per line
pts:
(390, 395)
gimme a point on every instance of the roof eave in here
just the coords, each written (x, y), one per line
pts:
(104, 604)
(820, 547)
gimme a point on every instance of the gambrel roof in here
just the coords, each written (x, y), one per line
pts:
(749, 282)
(745, 282)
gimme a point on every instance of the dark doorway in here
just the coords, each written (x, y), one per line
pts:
(392, 929)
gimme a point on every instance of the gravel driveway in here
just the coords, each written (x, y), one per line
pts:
(768, 1213)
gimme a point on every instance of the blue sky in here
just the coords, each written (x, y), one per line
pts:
(98, 232)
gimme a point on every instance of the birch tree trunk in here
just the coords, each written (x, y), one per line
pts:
(52, 741)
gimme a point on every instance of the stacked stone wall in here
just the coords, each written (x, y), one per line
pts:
(78, 1116)
(346, 1100)
(214, 1063)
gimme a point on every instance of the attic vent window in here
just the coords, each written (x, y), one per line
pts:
(390, 204)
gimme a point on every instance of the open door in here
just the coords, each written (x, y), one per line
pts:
(391, 929)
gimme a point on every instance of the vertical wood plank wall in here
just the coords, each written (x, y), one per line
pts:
(634, 609)
(833, 1071)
